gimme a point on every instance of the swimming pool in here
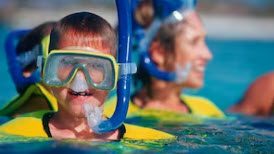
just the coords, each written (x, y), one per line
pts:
(236, 63)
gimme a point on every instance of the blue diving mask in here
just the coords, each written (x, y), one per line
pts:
(166, 12)
(17, 62)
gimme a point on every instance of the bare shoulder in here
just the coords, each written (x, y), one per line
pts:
(262, 86)
(259, 98)
(267, 78)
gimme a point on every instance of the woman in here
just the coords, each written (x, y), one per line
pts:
(170, 37)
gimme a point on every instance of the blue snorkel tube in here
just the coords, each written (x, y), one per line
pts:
(163, 9)
(124, 56)
(15, 68)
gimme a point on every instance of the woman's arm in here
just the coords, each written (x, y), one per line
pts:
(259, 98)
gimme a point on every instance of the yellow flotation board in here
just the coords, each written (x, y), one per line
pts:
(31, 125)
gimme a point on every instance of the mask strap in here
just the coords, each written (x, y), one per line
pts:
(127, 68)
(45, 46)
(40, 61)
(14, 64)
(29, 56)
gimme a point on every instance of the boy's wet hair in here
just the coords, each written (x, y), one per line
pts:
(84, 29)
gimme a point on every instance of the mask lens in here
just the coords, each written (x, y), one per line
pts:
(65, 67)
(96, 70)
(101, 72)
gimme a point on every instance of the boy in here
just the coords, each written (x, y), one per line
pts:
(79, 70)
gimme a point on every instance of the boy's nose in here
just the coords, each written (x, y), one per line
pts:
(80, 75)
(79, 83)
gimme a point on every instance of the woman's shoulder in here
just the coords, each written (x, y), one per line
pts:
(202, 106)
(198, 105)
(110, 104)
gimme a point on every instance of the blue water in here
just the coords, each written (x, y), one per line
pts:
(235, 65)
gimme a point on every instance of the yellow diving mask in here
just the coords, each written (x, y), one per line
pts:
(101, 71)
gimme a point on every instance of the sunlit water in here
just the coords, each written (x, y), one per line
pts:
(235, 65)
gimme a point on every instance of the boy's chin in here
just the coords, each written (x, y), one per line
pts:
(77, 111)
(78, 114)
(194, 84)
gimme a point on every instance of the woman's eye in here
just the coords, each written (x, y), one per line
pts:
(195, 41)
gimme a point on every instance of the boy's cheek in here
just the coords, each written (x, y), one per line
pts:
(59, 93)
(101, 95)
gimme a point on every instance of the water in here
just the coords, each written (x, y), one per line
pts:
(7, 87)
(241, 135)
(235, 65)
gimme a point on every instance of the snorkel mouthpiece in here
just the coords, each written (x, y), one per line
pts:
(94, 116)
(79, 83)
(182, 72)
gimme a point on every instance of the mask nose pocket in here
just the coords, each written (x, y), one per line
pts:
(79, 83)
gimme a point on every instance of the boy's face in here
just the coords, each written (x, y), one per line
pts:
(71, 100)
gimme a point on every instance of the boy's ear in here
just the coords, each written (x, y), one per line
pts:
(157, 54)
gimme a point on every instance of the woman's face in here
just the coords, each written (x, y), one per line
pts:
(190, 48)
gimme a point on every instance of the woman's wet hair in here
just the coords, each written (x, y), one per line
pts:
(84, 29)
(144, 13)
(34, 38)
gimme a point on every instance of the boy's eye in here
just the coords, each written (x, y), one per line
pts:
(96, 65)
